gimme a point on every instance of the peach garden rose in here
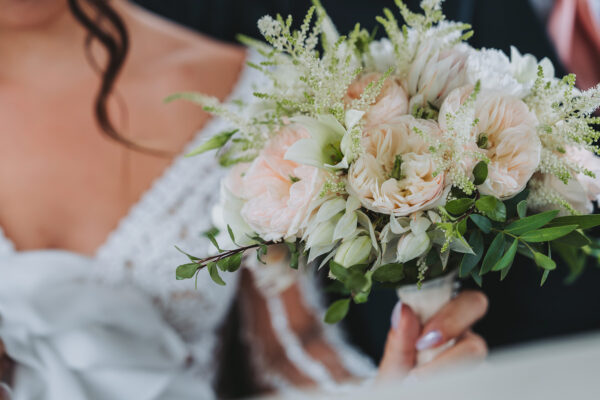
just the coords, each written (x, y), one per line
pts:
(277, 193)
(395, 175)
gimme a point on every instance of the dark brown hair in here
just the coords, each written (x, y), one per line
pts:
(108, 28)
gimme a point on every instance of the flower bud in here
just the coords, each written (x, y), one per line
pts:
(411, 246)
(353, 252)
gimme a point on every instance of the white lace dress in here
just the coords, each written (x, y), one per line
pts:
(118, 325)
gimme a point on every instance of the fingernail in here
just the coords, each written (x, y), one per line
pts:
(429, 340)
(396, 315)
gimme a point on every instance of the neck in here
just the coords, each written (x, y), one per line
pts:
(45, 52)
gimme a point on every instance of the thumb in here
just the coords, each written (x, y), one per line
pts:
(399, 356)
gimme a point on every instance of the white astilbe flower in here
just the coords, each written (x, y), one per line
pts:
(566, 121)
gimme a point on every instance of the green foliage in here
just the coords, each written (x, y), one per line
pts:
(470, 261)
(215, 142)
(186, 271)
(544, 261)
(492, 208)
(213, 271)
(480, 173)
(231, 263)
(508, 257)
(522, 209)
(493, 254)
(548, 234)
(337, 311)
(482, 223)
(390, 273)
(531, 223)
(459, 206)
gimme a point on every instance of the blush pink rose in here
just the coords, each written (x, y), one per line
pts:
(370, 180)
(513, 146)
(391, 103)
(278, 193)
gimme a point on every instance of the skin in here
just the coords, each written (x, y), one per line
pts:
(66, 186)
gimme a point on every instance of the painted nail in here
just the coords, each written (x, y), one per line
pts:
(429, 340)
(396, 315)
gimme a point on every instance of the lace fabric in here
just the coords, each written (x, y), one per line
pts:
(175, 211)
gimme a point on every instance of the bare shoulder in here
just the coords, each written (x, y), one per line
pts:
(166, 58)
(184, 58)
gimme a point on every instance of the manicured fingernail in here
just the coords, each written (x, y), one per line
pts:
(429, 340)
(396, 315)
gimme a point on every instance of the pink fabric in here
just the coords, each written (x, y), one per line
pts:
(576, 35)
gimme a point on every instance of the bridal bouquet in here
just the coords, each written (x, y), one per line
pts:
(403, 159)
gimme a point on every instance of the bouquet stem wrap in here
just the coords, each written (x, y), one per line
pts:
(426, 301)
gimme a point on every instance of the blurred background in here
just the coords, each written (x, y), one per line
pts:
(567, 32)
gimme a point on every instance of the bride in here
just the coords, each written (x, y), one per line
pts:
(93, 200)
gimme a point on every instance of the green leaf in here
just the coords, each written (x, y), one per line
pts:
(470, 261)
(210, 234)
(548, 234)
(215, 142)
(294, 254)
(231, 235)
(492, 208)
(337, 311)
(339, 271)
(493, 254)
(214, 273)
(544, 277)
(461, 227)
(482, 223)
(544, 261)
(575, 239)
(191, 257)
(480, 172)
(231, 263)
(389, 273)
(512, 203)
(186, 271)
(522, 209)
(261, 252)
(573, 258)
(582, 221)
(459, 206)
(508, 257)
(504, 272)
(531, 223)
(356, 282)
(477, 278)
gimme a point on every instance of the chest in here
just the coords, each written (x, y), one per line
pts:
(64, 184)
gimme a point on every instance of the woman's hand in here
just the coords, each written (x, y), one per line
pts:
(453, 321)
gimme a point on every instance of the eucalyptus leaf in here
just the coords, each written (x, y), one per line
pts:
(544, 277)
(337, 311)
(575, 239)
(477, 278)
(548, 234)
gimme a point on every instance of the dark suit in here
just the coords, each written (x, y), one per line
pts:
(519, 309)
